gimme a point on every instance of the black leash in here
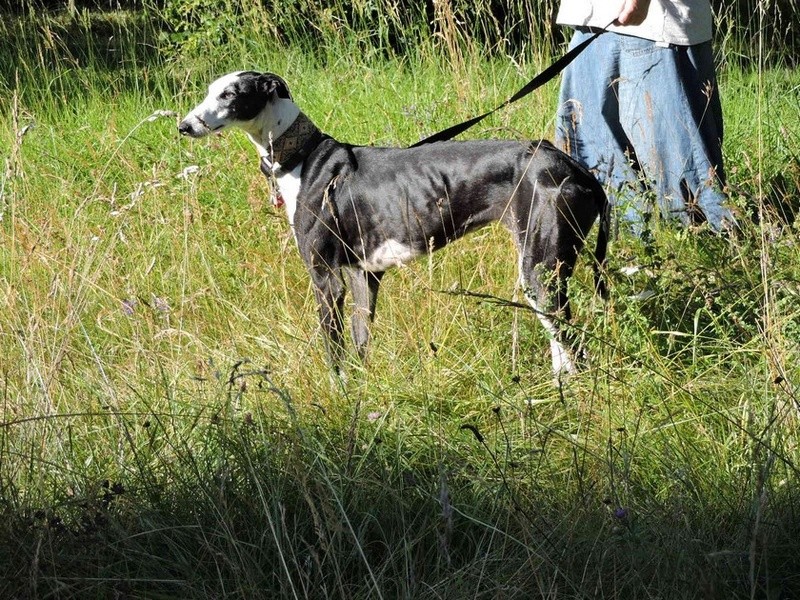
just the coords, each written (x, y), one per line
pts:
(537, 82)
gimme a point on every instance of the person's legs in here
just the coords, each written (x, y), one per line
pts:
(703, 93)
(588, 124)
(670, 111)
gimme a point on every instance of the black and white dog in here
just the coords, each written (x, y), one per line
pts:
(356, 211)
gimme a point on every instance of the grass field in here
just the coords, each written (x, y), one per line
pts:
(168, 425)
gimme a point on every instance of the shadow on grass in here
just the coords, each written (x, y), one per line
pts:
(288, 505)
(53, 59)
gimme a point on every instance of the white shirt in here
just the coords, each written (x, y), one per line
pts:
(680, 22)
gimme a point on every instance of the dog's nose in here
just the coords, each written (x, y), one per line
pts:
(184, 128)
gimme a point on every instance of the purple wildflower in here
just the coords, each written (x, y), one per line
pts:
(128, 306)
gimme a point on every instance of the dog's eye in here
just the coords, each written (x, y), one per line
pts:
(226, 95)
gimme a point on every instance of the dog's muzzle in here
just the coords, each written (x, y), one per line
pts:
(194, 126)
(185, 128)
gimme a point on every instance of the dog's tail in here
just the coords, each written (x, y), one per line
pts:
(603, 233)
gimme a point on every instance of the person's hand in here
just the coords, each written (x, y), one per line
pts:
(633, 12)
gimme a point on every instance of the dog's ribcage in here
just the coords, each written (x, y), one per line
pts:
(400, 203)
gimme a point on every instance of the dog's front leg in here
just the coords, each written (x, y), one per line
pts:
(364, 286)
(329, 290)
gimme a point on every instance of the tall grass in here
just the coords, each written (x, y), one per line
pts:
(168, 427)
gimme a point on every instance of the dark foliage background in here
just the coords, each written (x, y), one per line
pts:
(768, 29)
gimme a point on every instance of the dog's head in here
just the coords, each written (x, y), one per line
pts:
(238, 99)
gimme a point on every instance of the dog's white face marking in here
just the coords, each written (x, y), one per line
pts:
(390, 253)
(213, 113)
(242, 99)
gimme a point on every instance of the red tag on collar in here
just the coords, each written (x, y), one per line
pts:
(277, 200)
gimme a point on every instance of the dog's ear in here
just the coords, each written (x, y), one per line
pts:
(270, 83)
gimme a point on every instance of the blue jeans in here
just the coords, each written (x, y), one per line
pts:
(646, 118)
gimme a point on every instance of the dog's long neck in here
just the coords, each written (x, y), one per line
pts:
(295, 144)
(286, 141)
(284, 137)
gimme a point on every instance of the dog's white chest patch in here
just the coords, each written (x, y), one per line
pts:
(289, 186)
(390, 253)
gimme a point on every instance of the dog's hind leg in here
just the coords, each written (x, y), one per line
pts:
(550, 230)
(364, 286)
(545, 289)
